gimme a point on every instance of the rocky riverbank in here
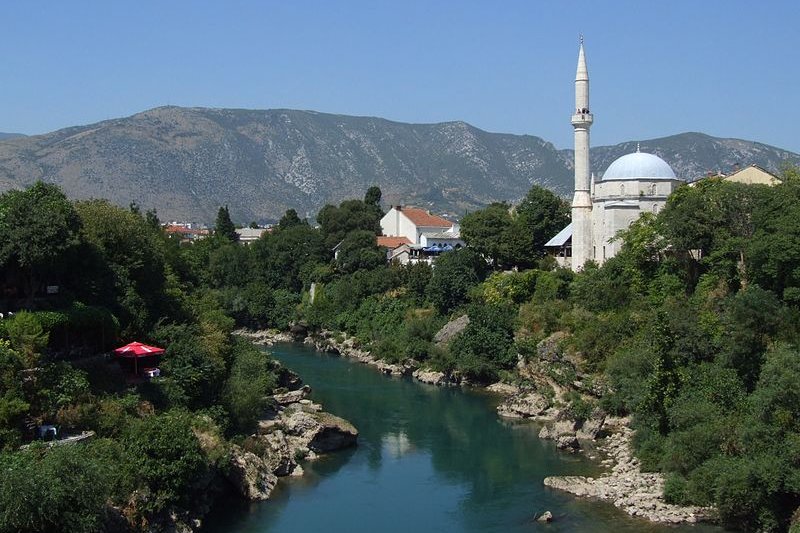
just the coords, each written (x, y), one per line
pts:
(294, 429)
(543, 399)
(340, 344)
(627, 487)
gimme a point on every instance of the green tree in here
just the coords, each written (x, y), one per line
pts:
(230, 265)
(284, 257)
(13, 404)
(167, 457)
(337, 222)
(359, 251)
(224, 228)
(247, 388)
(39, 229)
(130, 272)
(289, 219)
(488, 231)
(60, 489)
(540, 215)
(27, 336)
(455, 274)
(751, 320)
(483, 349)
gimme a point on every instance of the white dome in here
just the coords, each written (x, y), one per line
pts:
(638, 165)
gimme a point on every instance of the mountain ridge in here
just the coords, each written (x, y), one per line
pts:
(186, 162)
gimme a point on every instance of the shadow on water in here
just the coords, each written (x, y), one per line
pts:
(431, 458)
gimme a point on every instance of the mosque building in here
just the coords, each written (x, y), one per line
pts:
(633, 184)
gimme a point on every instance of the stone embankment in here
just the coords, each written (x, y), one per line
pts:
(340, 344)
(294, 429)
(267, 337)
(627, 487)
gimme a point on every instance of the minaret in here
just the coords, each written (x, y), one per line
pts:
(582, 201)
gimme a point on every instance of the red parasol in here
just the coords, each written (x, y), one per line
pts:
(136, 350)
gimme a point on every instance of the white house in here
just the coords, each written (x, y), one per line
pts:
(248, 235)
(427, 235)
(413, 222)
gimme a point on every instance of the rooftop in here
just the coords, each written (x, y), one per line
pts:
(392, 242)
(420, 217)
(638, 165)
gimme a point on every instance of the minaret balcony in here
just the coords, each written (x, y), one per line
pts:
(582, 118)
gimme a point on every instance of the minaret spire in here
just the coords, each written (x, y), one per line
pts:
(582, 120)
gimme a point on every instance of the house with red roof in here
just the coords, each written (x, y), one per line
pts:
(424, 235)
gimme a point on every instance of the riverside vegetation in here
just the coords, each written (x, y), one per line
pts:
(162, 448)
(691, 330)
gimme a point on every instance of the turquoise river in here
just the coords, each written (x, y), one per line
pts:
(428, 459)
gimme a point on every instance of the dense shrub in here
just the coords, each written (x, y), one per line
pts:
(167, 457)
(247, 387)
(63, 488)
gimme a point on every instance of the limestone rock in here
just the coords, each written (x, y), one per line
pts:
(524, 405)
(430, 376)
(637, 493)
(286, 378)
(450, 330)
(250, 475)
(546, 516)
(549, 349)
(279, 456)
(568, 442)
(503, 388)
(292, 396)
(335, 433)
(300, 424)
(299, 331)
(592, 427)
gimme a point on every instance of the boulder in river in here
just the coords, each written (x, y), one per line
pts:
(335, 433)
(319, 432)
(546, 516)
(568, 442)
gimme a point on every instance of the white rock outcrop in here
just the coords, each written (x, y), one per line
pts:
(627, 487)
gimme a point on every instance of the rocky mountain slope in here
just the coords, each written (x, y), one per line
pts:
(186, 162)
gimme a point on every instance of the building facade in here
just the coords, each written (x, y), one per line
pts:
(633, 184)
(427, 235)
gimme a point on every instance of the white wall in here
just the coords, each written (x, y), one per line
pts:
(395, 224)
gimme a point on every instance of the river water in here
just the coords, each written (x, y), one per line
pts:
(428, 459)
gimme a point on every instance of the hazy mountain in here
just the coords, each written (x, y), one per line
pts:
(188, 161)
(10, 135)
(692, 155)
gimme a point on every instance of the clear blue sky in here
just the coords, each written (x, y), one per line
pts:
(727, 68)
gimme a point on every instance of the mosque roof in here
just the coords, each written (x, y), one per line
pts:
(638, 165)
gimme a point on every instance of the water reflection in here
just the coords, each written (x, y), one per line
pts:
(436, 459)
(396, 444)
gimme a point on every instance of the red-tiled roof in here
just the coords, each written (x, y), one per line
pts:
(182, 230)
(392, 242)
(420, 217)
